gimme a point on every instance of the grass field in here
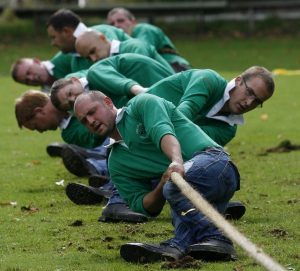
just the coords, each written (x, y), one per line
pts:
(37, 233)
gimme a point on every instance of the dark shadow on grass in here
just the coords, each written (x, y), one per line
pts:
(39, 190)
(283, 147)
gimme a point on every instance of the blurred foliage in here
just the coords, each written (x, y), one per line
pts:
(13, 27)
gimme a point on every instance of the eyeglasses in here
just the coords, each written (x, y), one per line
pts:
(250, 93)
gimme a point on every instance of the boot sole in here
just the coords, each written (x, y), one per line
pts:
(139, 254)
(83, 195)
(235, 211)
(74, 163)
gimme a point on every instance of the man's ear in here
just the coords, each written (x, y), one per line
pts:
(36, 60)
(38, 110)
(68, 30)
(238, 80)
(74, 79)
(102, 37)
(108, 101)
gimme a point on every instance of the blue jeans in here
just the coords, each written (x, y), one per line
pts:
(95, 158)
(213, 175)
(101, 167)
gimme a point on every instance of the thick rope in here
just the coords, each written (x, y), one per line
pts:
(230, 231)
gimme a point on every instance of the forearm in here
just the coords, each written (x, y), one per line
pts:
(154, 201)
(171, 148)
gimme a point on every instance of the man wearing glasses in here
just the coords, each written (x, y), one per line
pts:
(214, 104)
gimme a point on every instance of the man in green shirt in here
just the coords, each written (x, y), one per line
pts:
(95, 46)
(124, 19)
(120, 77)
(35, 111)
(204, 96)
(154, 139)
(63, 27)
(35, 72)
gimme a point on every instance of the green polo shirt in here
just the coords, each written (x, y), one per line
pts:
(140, 47)
(145, 120)
(62, 65)
(66, 63)
(111, 32)
(155, 36)
(195, 92)
(114, 76)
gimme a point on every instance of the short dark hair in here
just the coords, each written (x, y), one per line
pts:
(26, 104)
(263, 73)
(57, 85)
(63, 18)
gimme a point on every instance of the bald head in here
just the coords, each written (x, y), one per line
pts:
(97, 112)
(93, 45)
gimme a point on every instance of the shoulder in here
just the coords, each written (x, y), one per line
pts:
(146, 26)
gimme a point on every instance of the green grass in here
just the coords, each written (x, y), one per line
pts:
(45, 240)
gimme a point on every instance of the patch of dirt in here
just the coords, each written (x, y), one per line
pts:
(107, 239)
(29, 209)
(132, 229)
(81, 249)
(293, 201)
(110, 247)
(261, 195)
(76, 223)
(185, 262)
(284, 146)
(278, 233)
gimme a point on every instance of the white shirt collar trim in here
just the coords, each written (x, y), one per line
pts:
(65, 122)
(84, 83)
(49, 66)
(81, 27)
(114, 47)
(120, 113)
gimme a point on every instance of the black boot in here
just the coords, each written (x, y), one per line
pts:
(235, 210)
(55, 149)
(75, 161)
(98, 180)
(145, 253)
(213, 250)
(121, 212)
(85, 195)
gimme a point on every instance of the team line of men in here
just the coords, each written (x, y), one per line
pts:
(131, 111)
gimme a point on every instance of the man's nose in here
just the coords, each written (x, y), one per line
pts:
(30, 77)
(250, 101)
(93, 58)
(89, 120)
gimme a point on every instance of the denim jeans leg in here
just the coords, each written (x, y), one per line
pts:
(180, 229)
(115, 198)
(100, 150)
(100, 165)
(211, 174)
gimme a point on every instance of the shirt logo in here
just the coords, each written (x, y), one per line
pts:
(140, 130)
